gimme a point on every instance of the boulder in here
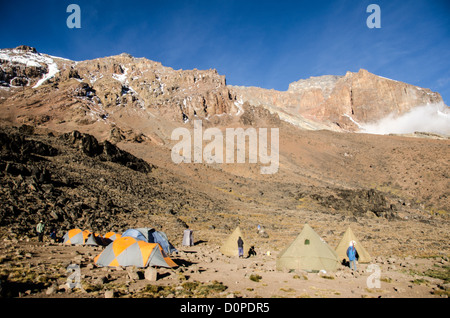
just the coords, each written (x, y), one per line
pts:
(151, 274)
(109, 294)
(133, 273)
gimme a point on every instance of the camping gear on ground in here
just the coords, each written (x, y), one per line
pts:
(230, 247)
(150, 235)
(76, 237)
(129, 251)
(188, 237)
(361, 254)
(308, 252)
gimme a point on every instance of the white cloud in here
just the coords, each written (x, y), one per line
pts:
(432, 118)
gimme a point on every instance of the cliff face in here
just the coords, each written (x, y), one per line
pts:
(21, 66)
(367, 98)
(103, 86)
(125, 80)
(112, 88)
(341, 101)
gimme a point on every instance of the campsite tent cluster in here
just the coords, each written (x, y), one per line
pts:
(308, 251)
(144, 247)
(140, 247)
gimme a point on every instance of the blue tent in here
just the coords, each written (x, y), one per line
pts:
(161, 238)
(135, 234)
(150, 235)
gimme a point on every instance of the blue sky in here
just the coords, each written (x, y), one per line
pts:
(252, 42)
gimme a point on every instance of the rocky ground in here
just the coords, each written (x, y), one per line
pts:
(46, 270)
(71, 179)
(90, 146)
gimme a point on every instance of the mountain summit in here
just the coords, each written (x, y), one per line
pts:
(341, 103)
(113, 88)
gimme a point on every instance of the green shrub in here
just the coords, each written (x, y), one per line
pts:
(255, 277)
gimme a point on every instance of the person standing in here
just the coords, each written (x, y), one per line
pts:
(40, 230)
(240, 243)
(351, 253)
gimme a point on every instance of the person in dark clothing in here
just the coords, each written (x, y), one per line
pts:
(240, 243)
(251, 251)
(54, 236)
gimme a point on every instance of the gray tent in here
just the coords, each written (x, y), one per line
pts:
(188, 237)
(91, 240)
(129, 251)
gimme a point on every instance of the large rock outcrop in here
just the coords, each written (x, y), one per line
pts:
(125, 92)
(108, 84)
(340, 101)
(138, 82)
(21, 66)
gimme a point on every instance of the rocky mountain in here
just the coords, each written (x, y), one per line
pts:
(88, 144)
(112, 118)
(135, 83)
(106, 88)
(340, 102)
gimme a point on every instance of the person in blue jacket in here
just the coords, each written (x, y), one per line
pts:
(351, 253)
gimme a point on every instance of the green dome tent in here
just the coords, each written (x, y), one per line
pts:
(308, 252)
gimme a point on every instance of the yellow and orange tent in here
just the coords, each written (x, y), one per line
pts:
(127, 251)
(96, 239)
(76, 236)
(112, 236)
(86, 237)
